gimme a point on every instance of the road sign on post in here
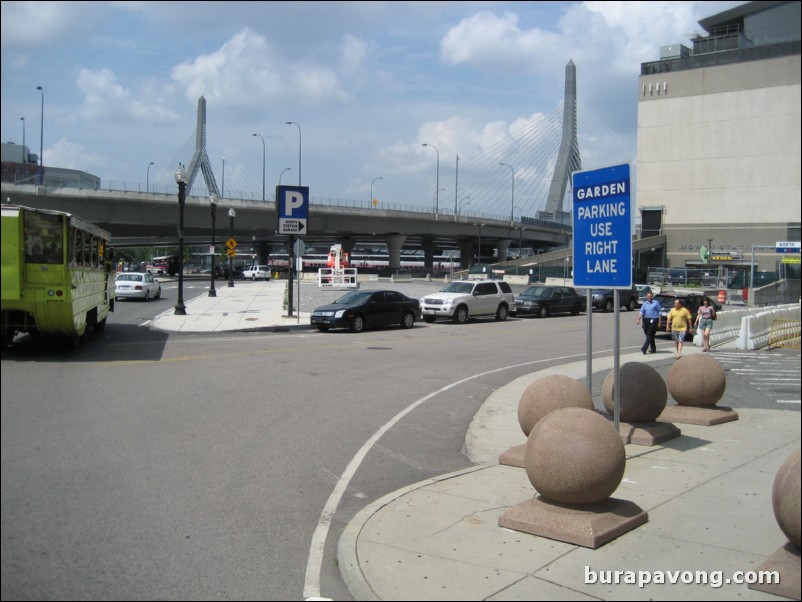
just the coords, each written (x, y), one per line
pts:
(602, 221)
(292, 208)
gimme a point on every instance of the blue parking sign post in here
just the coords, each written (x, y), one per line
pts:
(602, 224)
(602, 221)
(292, 211)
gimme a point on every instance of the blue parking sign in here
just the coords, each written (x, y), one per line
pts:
(602, 221)
(292, 209)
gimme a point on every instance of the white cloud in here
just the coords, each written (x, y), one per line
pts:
(106, 99)
(70, 155)
(29, 24)
(246, 71)
(487, 41)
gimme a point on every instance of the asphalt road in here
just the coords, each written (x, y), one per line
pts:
(147, 466)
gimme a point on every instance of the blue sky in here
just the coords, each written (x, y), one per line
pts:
(368, 83)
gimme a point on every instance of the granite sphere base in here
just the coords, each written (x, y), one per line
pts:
(541, 397)
(643, 393)
(574, 456)
(785, 498)
(550, 393)
(697, 380)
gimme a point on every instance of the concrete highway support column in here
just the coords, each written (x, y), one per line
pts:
(501, 247)
(394, 244)
(347, 245)
(262, 251)
(428, 253)
(465, 253)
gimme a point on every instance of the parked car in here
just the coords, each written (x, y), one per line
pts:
(256, 272)
(137, 285)
(464, 299)
(690, 301)
(602, 298)
(358, 310)
(543, 301)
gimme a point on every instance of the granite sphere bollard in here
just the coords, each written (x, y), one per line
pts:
(643, 393)
(574, 456)
(697, 381)
(785, 498)
(550, 393)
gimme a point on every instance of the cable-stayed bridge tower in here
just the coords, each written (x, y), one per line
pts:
(568, 159)
(200, 160)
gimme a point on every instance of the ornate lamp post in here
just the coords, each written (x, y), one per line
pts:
(24, 158)
(231, 215)
(437, 189)
(213, 203)
(41, 138)
(181, 179)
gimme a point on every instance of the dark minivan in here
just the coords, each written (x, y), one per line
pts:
(542, 301)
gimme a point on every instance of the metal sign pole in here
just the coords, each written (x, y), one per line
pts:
(617, 359)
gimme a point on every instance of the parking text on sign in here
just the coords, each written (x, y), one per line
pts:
(602, 231)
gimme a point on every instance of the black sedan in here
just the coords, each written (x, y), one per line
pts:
(543, 301)
(358, 310)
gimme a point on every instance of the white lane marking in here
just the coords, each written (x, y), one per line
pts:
(316, 548)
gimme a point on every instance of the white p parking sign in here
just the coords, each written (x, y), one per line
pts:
(292, 208)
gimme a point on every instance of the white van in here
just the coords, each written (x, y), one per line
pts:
(256, 272)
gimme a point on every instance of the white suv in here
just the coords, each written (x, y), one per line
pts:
(464, 299)
(256, 272)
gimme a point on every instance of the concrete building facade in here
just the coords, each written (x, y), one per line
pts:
(719, 140)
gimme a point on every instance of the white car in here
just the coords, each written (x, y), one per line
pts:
(464, 299)
(256, 272)
(137, 285)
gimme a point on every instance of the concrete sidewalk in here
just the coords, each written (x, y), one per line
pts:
(254, 306)
(707, 494)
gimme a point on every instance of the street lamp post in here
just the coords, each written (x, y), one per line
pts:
(437, 188)
(223, 182)
(23, 140)
(282, 173)
(512, 204)
(370, 200)
(147, 179)
(181, 179)
(299, 147)
(213, 203)
(456, 186)
(466, 200)
(436, 193)
(231, 215)
(263, 166)
(41, 138)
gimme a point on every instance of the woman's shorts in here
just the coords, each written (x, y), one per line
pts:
(705, 324)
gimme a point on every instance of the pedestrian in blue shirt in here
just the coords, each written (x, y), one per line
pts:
(650, 315)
